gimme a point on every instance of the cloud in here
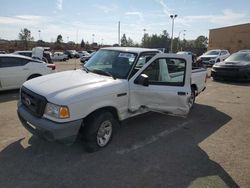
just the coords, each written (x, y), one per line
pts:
(59, 4)
(166, 9)
(106, 9)
(228, 17)
(26, 20)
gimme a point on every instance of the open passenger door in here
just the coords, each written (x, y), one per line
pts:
(163, 84)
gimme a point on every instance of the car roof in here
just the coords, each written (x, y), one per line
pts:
(19, 56)
(131, 49)
(27, 51)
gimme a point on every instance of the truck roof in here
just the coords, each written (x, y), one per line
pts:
(131, 49)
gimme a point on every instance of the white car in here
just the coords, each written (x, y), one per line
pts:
(83, 53)
(59, 56)
(16, 69)
(214, 56)
(116, 84)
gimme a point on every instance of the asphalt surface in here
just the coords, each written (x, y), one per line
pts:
(209, 148)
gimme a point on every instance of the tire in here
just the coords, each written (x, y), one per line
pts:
(192, 98)
(98, 130)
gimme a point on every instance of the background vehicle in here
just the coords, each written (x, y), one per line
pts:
(71, 54)
(59, 56)
(236, 66)
(16, 69)
(2, 52)
(214, 56)
(83, 53)
(42, 55)
(188, 53)
(115, 84)
(85, 58)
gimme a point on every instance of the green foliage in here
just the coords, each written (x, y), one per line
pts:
(124, 40)
(156, 41)
(59, 39)
(82, 44)
(25, 36)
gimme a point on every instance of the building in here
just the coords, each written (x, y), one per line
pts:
(232, 38)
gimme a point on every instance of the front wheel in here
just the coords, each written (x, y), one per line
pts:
(98, 130)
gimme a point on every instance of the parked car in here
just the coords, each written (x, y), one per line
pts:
(42, 54)
(115, 84)
(16, 69)
(2, 52)
(59, 56)
(236, 66)
(188, 53)
(71, 53)
(83, 53)
(214, 56)
(85, 58)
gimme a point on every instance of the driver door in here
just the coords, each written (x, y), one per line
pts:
(168, 89)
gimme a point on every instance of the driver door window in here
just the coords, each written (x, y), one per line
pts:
(166, 71)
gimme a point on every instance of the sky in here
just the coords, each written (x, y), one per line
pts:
(97, 20)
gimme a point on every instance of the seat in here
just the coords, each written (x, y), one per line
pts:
(121, 67)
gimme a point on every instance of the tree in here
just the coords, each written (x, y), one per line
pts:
(25, 36)
(59, 39)
(130, 42)
(82, 44)
(124, 41)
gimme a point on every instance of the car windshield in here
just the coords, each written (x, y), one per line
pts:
(240, 56)
(212, 52)
(111, 62)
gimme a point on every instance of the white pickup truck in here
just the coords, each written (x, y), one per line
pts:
(115, 84)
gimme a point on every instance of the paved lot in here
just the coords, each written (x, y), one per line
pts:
(209, 148)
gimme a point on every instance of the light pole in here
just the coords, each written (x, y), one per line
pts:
(93, 38)
(179, 38)
(39, 36)
(172, 17)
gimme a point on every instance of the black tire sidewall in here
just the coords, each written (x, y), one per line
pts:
(91, 127)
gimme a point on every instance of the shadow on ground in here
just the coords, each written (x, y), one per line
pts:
(10, 95)
(152, 150)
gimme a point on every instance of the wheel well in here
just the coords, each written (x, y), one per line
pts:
(193, 86)
(111, 109)
(33, 76)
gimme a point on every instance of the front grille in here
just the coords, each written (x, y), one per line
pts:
(33, 102)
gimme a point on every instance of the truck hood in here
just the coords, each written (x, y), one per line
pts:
(68, 86)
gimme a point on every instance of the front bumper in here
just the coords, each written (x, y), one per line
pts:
(232, 74)
(49, 130)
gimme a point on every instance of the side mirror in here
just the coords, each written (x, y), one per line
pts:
(142, 80)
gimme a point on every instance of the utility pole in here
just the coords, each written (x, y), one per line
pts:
(172, 17)
(119, 33)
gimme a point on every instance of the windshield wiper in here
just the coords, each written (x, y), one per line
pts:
(86, 69)
(99, 71)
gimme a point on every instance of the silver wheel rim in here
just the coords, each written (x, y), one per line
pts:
(104, 133)
(191, 99)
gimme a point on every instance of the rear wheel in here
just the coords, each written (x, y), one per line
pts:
(98, 130)
(192, 97)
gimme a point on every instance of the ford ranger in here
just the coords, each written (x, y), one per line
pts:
(115, 84)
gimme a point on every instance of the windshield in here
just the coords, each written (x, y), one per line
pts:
(115, 63)
(240, 56)
(212, 52)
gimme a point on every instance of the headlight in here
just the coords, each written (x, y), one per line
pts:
(56, 111)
